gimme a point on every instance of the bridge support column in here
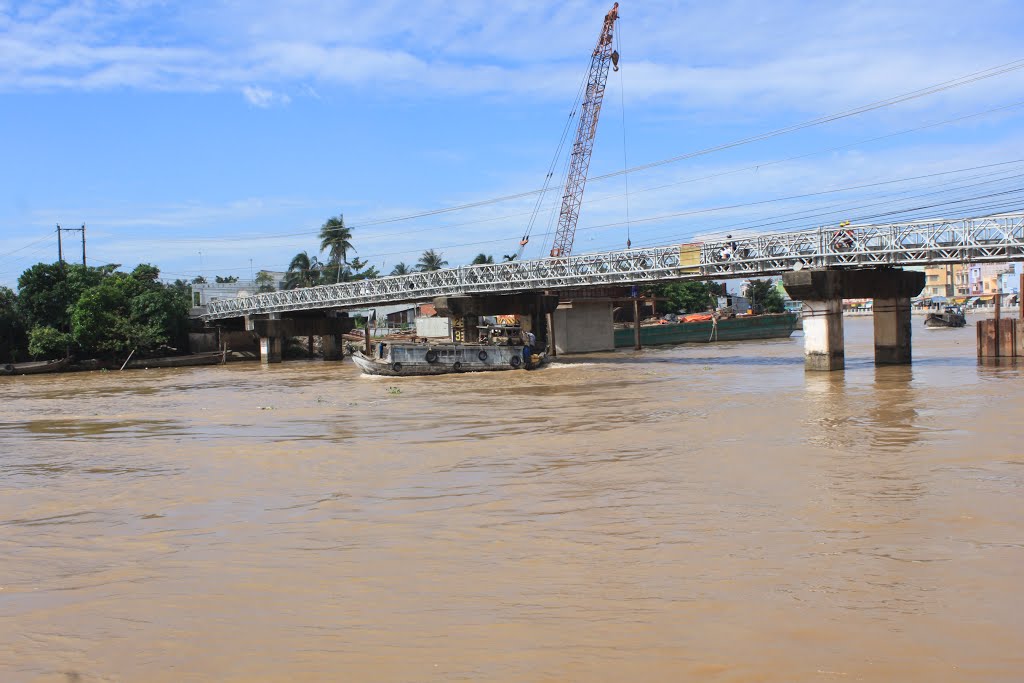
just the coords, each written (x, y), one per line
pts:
(581, 326)
(824, 347)
(272, 332)
(270, 350)
(892, 330)
(332, 349)
(823, 291)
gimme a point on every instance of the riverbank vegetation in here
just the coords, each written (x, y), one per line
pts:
(63, 309)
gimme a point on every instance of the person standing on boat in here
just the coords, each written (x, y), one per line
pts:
(529, 340)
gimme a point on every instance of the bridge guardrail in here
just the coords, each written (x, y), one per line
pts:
(991, 238)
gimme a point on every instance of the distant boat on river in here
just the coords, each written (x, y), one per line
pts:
(704, 328)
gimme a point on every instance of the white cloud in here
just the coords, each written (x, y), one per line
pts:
(733, 55)
(263, 98)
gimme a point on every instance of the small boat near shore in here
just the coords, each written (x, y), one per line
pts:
(406, 359)
(207, 358)
(92, 364)
(35, 368)
(952, 316)
(705, 328)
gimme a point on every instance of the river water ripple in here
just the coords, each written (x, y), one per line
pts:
(689, 513)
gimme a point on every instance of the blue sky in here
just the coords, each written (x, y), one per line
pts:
(203, 137)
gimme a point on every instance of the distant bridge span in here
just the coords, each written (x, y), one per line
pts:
(916, 243)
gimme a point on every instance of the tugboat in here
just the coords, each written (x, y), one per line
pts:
(953, 316)
(405, 359)
(408, 358)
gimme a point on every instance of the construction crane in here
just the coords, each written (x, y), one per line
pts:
(579, 163)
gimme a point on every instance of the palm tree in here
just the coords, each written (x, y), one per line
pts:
(508, 258)
(335, 239)
(401, 269)
(482, 259)
(303, 271)
(431, 260)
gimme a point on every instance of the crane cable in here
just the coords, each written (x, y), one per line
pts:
(622, 100)
(551, 170)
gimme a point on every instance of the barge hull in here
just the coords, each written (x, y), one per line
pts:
(772, 326)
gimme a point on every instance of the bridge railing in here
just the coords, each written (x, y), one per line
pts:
(994, 238)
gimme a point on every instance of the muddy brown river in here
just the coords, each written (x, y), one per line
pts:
(696, 513)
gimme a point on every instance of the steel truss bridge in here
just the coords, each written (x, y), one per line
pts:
(916, 243)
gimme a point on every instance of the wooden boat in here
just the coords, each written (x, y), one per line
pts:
(703, 328)
(208, 358)
(34, 368)
(953, 316)
(405, 359)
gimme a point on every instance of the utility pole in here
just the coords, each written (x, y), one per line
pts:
(60, 249)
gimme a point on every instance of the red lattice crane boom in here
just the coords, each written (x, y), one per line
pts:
(579, 163)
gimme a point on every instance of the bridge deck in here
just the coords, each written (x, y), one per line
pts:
(935, 242)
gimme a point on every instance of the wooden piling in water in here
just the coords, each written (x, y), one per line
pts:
(1000, 338)
(636, 323)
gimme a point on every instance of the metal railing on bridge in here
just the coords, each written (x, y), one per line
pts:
(932, 242)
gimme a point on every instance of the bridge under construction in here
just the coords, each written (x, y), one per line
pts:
(890, 245)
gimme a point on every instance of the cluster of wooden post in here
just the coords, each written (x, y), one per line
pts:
(1000, 337)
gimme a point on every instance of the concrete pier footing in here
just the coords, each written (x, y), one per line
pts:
(823, 291)
(823, 335)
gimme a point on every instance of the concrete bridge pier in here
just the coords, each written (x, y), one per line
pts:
(824, 348)
(273, 331)
(823, 291)
(582, 326)
(892, 330)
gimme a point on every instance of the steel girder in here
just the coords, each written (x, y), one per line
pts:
(963, 240)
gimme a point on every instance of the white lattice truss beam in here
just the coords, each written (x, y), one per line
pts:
(962, 240)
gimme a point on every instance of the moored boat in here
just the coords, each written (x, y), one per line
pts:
(705, 328)
(34, 368)
(208, 358)
(953, 316)
(404, 359)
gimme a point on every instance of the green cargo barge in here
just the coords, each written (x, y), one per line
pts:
(772, 326)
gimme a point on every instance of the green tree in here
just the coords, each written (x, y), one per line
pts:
(482, 259)
(688, 297)
(13, 340)
(401, 269)
(225, 279)
(127, 312)
(764, 297)
(264, 282)
(45, 342)
(199, 280)
(46, 292)
(303, 271)
(362, 270)
(144, 272)
(336, 240)
(431, 260)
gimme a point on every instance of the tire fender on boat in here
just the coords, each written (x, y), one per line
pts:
(516, 361)
(482, 355)
(431, 356)
(396, 366)
(456, 366)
